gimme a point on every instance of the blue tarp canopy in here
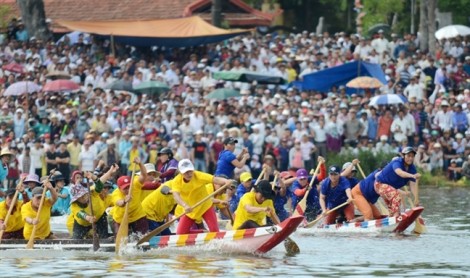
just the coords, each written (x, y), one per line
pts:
(325, 79)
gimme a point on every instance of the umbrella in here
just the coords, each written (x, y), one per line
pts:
(364, 82)
(58, 75)
(387, 99)
(73, 37)
(121, 85)
(61, 85)
(452, 31)
(223, 93)
(375, 28)
(151, 87)
(249, 76)
(14, 67)
(21, 87)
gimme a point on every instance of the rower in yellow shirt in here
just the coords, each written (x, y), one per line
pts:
(137, 218)
(81, 210)
(14, 227)
(157, 206)
(189, 187)
(254, 206)
(30, 210)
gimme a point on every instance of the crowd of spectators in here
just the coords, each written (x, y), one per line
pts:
(287, 127)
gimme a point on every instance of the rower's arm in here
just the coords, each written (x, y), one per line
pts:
(322, 203)
(219, 181)
(253, 209)
(414, 190)
(404, 174)
(179, 200)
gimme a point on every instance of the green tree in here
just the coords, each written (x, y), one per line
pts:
(34, 18)
(460, 10)
(379, 11)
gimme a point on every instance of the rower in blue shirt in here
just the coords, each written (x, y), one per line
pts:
(365, 197)
(227, 159)
(349, 171)
(334, 191)
(394, 176)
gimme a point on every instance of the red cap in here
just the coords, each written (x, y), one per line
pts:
(124, 182)
(47, 135)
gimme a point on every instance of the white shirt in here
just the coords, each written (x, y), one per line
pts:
(87, 159)
(36, 155)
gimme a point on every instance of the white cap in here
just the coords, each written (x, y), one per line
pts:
(220, 134)
(149, 167)
(185, 165)
(383, 138)
(437, 145)
(346, 165)
(199, 132)
(459, 136)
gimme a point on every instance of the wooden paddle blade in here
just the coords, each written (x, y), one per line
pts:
(158, 230)
(291, 246)
(96, 241)
(420, 228)
(123, 232)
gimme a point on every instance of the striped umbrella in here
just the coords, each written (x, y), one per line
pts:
(387, 100)
(21, 87)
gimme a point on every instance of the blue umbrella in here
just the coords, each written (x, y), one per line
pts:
(388, 99)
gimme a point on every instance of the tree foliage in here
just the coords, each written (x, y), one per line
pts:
(460, 10)
(5, 16)
(379, 11)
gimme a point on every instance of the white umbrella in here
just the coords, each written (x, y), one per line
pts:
(452, 31)
(21, 87)
(387, 99)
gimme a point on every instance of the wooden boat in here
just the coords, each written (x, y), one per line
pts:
(387, 224)
(258, 240)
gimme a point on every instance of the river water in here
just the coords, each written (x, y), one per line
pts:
(442, 252)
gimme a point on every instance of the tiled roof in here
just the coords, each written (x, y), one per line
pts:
(108, 10)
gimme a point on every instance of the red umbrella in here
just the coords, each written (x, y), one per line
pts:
(61, 85)
(14, 67)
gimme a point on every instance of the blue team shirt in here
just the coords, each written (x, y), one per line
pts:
(337, 195)
(352, 182)
(368, 189)
(279, 205)
(388, 175)
(312, 198)
(224, 164)
(61, 205)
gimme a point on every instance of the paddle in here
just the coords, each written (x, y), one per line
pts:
(419, 227)
(123, 232)
(383, 210)
(312, 223)
(10, 209)
(96, 239)
(30, 244)
(291, 246)
(158, 230)
(302, 205)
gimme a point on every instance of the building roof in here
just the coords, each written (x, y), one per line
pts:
(236, 12)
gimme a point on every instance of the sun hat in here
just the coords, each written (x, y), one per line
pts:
(346, 165)
(334, 170)
(124, 182)
(149, 167)
(301, 174)
(32, 178)
(230, 140)
(245, 176)
(77, 191)
(185, 165)
(5, 152)
(37, 191)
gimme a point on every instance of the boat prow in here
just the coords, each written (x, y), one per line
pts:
(387, 224)
(256, 240)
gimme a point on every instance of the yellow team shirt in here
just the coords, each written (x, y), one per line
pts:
(98, 209)
(74, 152)
(157, 206)
(192, 192)
(133, 153)
(242, 215)
(108, 201)
(135, 205)
(153, 156)
(15, 222)
(43, 229)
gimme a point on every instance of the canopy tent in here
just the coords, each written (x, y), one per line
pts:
(179, 32)
(325, 79)
(249, 76)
